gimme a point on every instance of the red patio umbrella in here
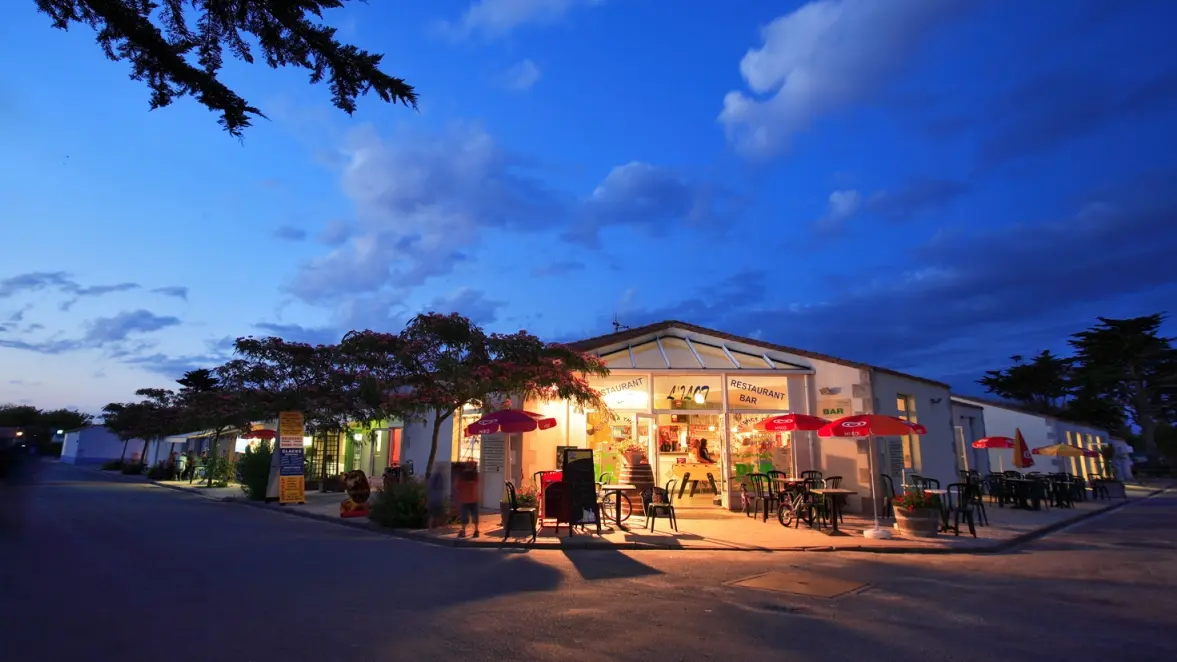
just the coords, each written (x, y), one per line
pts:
(994, 442)
(790, 422)
(1022, 457)
(510, 420)
(259, 434)
(869, 425)
(990, 443)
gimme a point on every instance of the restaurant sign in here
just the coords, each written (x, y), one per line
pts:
(688, 392)
(627, 392)
(763, 393)
(832, 408)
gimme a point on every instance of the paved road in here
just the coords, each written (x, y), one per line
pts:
(107, 570)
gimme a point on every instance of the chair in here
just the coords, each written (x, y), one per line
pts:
(835, 482)
(960, 505)
(977, 499)
(888, 495)
(810, 475)
(514, 509)
(762, 498)
(818, 505)
(930, 484)
(655, 504)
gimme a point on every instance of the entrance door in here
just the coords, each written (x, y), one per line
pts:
(645, 432)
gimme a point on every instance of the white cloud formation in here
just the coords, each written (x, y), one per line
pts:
(843, 206)
(419, 202)
(822, 56)
(495, 18)
(522, 76)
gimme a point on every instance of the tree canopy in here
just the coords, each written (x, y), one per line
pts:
(177, 48)
(433, 367)
(39, 425)
(1122, 372)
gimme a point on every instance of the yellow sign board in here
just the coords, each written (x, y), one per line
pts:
(292, 489)
(291, 481)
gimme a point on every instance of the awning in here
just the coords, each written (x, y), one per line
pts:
(183, 438)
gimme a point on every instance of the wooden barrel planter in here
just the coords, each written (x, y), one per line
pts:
(640, 476)
(920, 523)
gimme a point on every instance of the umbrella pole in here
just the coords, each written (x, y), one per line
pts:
(877, 532)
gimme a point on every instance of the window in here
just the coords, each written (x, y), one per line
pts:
(647, 355)
(679, 354)
(714, 357)
(905, 404)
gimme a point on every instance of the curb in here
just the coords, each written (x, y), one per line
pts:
(592, 544)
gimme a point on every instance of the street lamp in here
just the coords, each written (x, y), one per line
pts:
(20, 433)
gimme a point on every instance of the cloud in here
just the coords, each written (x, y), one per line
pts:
(105, 330)
(1052, 109)
(521, 76)
(468, 302)
(175, 291)
(64, 282)
(920, 196)
(216, 352)
(335, 232)
(821, 57)
(559, 268)
(299, 333)
(289, 233)
(426, 203)
(497, 18)
(419, 200)
(932, 309)
(653, 198)
(843, 206)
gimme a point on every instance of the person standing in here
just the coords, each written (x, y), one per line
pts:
(468, 498)
(435, 499)
(182, 466)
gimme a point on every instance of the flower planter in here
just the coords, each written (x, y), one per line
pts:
(919, 523)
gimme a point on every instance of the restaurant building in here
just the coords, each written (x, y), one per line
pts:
(688, 397)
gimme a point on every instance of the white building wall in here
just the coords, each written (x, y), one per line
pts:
(934, 454)
(847, 392)
(1037, 429)
(1084, 436)
(971, 420)
(95, 445)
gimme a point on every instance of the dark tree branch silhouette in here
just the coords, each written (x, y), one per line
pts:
(175, 60)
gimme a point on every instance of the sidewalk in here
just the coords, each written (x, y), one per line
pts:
(717, 530)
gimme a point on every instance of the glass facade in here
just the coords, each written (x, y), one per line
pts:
(678, 423)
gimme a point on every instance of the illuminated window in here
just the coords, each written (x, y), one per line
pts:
(905, 404)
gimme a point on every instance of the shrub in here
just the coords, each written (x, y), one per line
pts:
(112, 465)
(219, 468)
(918, 500)
(158, 472)
(401, 506)
(254, 468)
(133, 468)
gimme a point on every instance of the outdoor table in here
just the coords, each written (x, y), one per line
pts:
(617, 488)
(943, 494)
(835, 505)
(1023, 496)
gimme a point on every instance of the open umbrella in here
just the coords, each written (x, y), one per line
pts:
(510, 420)
(994, 442)
(869, 425)
(1059, 450)
(259, 434)
(990, 443)
(790, 422)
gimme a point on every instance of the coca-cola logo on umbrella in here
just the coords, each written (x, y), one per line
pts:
(854, 424)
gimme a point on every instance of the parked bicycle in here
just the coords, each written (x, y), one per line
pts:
(796, 507)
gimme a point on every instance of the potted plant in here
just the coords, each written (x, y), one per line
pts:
(633, 452)
(917, 514)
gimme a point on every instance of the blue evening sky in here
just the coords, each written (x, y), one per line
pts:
(928, 185)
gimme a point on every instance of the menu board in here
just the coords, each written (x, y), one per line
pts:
(580, 484)
(493, 453)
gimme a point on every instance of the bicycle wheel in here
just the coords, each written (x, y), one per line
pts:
(785, 514)
(609, 504)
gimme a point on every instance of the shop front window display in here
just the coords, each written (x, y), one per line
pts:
(757, 451)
